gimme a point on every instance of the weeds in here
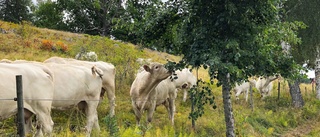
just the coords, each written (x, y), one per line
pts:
(112, 126)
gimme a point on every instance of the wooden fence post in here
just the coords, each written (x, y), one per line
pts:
(19, 99)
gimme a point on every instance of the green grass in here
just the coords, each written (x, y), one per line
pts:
(270, 117)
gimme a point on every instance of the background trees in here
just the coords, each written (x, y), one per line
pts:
(15, 10)
(49, 15)
(308, 51)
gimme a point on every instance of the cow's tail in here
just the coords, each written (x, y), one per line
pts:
(96, 70)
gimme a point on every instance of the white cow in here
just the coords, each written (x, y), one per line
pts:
(166, 95)
(185, 81)
(77, 85)
(142, 91)
(167, 90)
(37, 81)
(108, 79)
(265, 84)
(243, 88)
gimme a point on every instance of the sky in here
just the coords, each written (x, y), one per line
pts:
(34, 2)
(311, 74)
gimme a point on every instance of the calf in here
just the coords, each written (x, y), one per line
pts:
(142, 91)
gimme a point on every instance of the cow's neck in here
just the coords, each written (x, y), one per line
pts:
(269, 80)
(149, 84)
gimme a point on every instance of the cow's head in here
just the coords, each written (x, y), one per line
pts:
(157, 71)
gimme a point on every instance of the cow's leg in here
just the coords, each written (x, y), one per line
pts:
(185, 94)
(247, 93)
(44, 121)
(238, 94)
(151, 110)
(92, 116)
(110, 89)
(166, 104)
(172, 110)
(28, 121)
(137, 112)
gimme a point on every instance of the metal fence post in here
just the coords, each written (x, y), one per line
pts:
(19, 100)
(251, 98)
(278, 90)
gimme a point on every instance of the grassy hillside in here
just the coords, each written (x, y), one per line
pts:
(270, 117)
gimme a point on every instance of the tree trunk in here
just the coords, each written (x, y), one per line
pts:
(297, 100)
(104, 18)
(228, 114)
(317, 76)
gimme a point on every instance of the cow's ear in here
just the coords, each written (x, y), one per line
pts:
(147, 68)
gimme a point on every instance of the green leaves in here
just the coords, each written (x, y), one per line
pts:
(200, 96)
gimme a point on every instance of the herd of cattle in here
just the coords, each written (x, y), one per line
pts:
(61, 83)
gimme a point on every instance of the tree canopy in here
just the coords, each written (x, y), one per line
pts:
(307, 12)
(15, 10)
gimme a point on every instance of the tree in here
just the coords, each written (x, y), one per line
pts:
(308, 52)
(151, 23)
(15, 10)
(91, 17)
(234, 40)
(49, 15)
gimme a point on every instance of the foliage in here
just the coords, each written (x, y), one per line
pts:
(112, 126)
(200, 95)
(159, 21)
(61, 46)
(15, 10)
(307, 12)
(47, 45)
(49, 15)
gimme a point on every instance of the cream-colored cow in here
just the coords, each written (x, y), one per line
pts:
(37, 81)
(142, 91)
(77, 86)
(265, 84)
(108, 78)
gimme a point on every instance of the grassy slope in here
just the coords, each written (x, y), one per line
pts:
(268, 118)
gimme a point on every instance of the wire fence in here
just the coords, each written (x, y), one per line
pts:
(122, 100)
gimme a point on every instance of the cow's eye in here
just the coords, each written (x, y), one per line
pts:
(157, 67)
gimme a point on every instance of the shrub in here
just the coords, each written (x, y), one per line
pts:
(61, 46)
(112, 125)
(309, 111)
(46, 45)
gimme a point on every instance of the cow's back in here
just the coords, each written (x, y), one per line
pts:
(73, 84)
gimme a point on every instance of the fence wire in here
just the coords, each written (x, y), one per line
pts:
(116, 100)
